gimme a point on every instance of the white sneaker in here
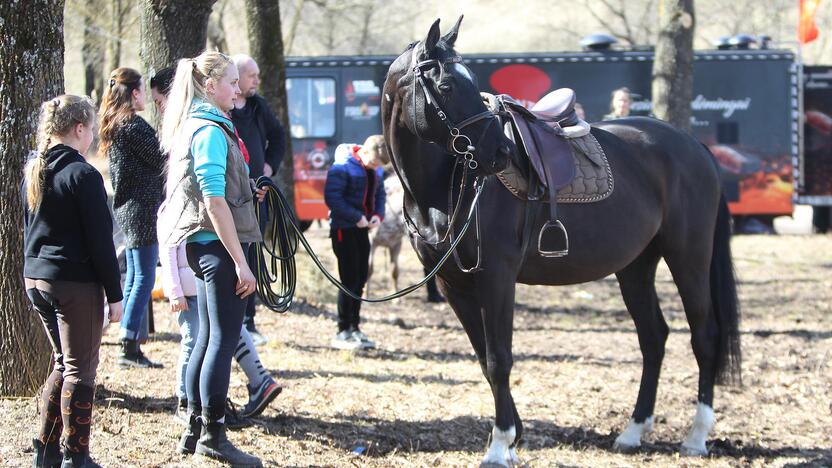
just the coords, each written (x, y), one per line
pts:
(366, 343)
(345, 340)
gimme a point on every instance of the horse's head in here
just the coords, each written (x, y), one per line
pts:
(439, 101)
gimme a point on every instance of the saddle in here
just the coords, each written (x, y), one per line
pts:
(546, 136)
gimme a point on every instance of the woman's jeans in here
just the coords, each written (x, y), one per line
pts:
(221, 313)
(138, 286)
(189, 329)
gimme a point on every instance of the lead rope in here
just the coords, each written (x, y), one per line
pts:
(277, 278)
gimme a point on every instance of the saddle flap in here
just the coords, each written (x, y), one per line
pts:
(548, 152)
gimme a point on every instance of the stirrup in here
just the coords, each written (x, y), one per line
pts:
(556, 224)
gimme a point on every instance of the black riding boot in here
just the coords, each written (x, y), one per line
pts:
(46, 455)
(214, 444)
(187, 443)
(132, 356)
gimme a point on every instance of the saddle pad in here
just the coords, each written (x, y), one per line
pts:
(593, 179)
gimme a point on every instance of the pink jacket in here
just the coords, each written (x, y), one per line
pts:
(177, 277)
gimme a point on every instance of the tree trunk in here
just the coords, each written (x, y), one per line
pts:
(672, 90)
(92, 51)
(293, 26)
(266, 40)
(171, 30)
(216, 29)
(118, 10)
(31, 71)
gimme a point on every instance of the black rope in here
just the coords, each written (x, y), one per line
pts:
(277, 277)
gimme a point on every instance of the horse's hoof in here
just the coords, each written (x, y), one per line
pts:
(687, 451)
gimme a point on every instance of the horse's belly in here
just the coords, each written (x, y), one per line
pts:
(560, 271)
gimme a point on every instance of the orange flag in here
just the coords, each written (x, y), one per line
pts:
(807, 30)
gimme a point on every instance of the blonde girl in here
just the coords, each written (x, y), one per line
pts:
(210, 206)
(70, 264)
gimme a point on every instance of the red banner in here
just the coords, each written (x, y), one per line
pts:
(807, 30)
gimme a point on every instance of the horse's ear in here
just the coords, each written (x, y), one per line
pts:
(431, 40)
(450, 38)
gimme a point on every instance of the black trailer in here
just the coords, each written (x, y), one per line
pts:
(745, 108)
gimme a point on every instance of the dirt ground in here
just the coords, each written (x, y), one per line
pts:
(420, 399)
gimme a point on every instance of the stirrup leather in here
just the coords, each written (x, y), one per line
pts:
(556, 224)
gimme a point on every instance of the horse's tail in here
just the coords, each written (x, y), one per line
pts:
(725, 303)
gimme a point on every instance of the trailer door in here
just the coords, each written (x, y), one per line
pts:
(313, 124)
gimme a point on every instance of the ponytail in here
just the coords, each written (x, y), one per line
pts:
(189, 84)
(57, 118)
(117, 104)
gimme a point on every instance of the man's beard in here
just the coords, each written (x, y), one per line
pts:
(251, 92)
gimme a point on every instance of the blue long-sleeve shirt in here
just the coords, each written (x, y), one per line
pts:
(210, 151)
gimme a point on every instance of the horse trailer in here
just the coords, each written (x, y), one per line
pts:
(745, 109)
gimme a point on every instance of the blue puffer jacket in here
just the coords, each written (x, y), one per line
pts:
(346, 192)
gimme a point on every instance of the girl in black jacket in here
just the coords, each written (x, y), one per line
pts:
(70, 264)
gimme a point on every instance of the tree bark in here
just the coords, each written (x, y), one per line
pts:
(31, 71)
(266, 45)
(93, 50)
(171, 30)
(118, 10)
(216, 29)
(672, 90)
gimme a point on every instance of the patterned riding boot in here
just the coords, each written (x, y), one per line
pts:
(47, 448)
(76, 408)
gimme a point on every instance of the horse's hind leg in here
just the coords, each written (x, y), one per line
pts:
(691, 273)
(637, 283)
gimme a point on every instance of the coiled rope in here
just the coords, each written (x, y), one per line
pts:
(276, 270)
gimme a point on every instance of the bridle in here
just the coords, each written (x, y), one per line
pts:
(460, 146)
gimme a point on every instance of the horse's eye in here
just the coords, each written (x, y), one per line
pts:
(444, 87)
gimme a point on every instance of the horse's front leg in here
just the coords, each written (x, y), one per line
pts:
(496, 298)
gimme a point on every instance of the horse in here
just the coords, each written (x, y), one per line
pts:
(667, 204)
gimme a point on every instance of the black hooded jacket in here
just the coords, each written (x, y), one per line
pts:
(70, 237)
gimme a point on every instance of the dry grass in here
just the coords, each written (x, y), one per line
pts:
(420, 400)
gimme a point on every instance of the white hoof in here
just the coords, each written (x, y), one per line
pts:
(686, 451)
(703, 422)
(630, 438)
(513, 458)
(499, 454)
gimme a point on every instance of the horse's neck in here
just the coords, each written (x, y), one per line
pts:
(426, 172)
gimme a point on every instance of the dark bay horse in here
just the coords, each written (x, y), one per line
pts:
(667, 203)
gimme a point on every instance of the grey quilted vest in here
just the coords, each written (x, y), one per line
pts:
(184, 212)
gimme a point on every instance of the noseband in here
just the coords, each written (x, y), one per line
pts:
(459, 144)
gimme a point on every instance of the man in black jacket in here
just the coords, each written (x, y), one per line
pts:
(265, 140)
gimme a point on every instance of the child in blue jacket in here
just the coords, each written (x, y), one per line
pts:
(355, 195)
